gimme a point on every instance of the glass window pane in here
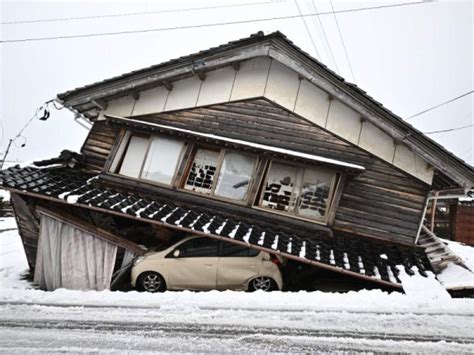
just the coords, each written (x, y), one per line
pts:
(279, 187)
(201, 174)
(234, 250)
(235, 175)
(162, 159)
(132, 162)
(199, 247)
(314, 198)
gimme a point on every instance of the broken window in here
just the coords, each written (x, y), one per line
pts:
(235, 175)
(301, 191)
(203, 170)
(162, 160)
(133, 159)
(278, 190)
(221, 173)
(314, 197)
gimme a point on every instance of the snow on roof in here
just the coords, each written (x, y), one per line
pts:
(246, 143)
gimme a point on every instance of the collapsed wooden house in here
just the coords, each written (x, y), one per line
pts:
(253, 142)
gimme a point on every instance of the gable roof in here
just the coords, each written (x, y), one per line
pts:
(278, 47)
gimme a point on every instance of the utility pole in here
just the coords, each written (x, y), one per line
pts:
(6, 153)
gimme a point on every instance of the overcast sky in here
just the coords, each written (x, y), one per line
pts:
(409, 58)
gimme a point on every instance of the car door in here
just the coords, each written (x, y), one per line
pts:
(196, 266)
(236, 265)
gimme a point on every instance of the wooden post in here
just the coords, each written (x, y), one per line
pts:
(433, 210)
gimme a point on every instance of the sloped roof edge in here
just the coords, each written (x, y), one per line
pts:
(279, 47)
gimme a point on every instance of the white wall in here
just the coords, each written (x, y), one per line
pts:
(264, 77)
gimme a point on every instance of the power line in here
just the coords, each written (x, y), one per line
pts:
(61, 19)
(307, 30)
(342, 40)
(216, 24)
(439, 105)
(449, 130)
(325, 37)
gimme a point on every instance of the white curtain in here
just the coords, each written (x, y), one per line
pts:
(68, 257)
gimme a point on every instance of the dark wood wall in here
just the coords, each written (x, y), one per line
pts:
(98, 145)
(382, 202)
(28, 226)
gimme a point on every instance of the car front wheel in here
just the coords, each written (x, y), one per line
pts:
(151, 282)
(262, 283)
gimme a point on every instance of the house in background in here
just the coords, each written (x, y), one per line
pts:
(253, 142)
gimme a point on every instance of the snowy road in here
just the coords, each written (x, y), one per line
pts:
(28, 327)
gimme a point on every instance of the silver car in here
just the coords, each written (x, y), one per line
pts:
(199, 263)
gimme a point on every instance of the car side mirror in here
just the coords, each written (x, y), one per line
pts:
(176, 253)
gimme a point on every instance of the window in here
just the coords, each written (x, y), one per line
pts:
(162, 160)
(202, 173)
(235, 250)
(221, 173)
(300, 191)
(150, 158)
(132, 161)
(235, 175)
(199, 247)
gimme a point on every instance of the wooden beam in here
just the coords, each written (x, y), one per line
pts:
(91, 229)
(102, 104)
(167, 85)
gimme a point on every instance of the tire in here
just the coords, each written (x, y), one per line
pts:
(151, 281)
(262, 283)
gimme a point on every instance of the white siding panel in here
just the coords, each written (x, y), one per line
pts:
(121, 107)
(411, 163)
(376, 142)
(184, 94)
(282, 85)
(312, 103)
(343, 121)
(217, 86)
(151, 101)
(251, 78)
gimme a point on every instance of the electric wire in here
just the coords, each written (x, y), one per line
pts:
(333, 59)
(307, 30)
(439, 105)
(61, 19)
(216, 24)
(342, 40)
(449, 130)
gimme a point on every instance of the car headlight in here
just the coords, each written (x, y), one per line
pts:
(138, 260)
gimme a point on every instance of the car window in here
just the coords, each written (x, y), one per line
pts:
(235, 250)
(199, 247)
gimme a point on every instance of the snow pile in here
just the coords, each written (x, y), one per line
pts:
(13, 262)
(422, 287)
(465, 252)
(455, 276)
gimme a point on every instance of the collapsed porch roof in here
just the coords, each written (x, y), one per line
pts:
(263, 147)
(354, 256)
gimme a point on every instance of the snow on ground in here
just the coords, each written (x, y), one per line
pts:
(364, 321)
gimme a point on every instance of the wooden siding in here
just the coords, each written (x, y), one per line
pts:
(28, 227)
(98, 145)
(382, 202)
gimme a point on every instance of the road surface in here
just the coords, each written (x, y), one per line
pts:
(53, 328)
